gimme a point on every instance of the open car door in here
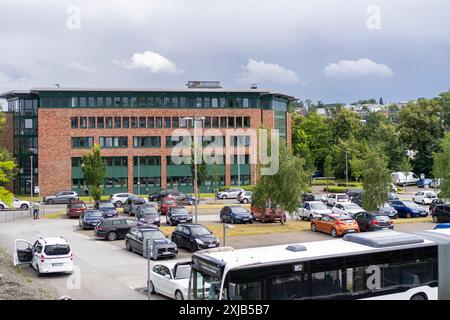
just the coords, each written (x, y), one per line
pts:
(23, 252)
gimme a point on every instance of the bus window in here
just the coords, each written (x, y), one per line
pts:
(288, 287)
(326, 283)
(204, 287)
(246, 291)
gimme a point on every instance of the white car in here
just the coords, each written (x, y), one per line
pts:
(17, 204)
(337, 197)
(424, 197)
(171, 278)
(118, 199)
(231, 193)
(313, 209)
(46, 255)
(245, 197)
(347, 208)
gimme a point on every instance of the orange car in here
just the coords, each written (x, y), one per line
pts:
(335, 225)
(270, 215)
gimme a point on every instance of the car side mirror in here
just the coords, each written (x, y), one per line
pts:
(167, 276)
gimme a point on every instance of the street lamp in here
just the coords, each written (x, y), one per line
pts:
(346, 168)
(149, 252)
(225, 227)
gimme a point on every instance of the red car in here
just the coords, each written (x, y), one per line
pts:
(270, 215)
(168, 202)
(75, 209)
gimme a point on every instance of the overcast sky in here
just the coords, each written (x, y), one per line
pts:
(317, 49)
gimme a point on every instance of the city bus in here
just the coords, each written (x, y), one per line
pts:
(386, 265)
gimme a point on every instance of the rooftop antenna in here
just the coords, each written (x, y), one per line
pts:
(254, 86)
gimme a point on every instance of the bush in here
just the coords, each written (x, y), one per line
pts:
(335, 189)
(350, 184)
(246, 188)
(323, 182)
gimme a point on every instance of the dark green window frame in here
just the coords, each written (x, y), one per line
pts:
(147, 142)
(113, 142)
(100, 122)
(175, 122)
(74, 122)
(142, 122)
(82, 142)
(150, 122)
(117, 122)
(91, 122)
(126, 122)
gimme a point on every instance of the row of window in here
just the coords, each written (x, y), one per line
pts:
(153, 102)
(156, 122)
(154, 142)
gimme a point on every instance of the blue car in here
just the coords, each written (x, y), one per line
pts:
(442, 226)
(90, 218)
(108, 208)
(421, 183)
(408, 209)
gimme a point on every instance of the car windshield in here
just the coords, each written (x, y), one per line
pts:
(153, 234)
(342, 197)
(347, 220)
(93, 214)
(431, 195)
(319, 206)
(148, 210)
(410, 204)
(381, 218)
(149, 215)
(183, 272)
(78, 205)
(239, 210)
(387, 205)
(57, 249)
(199, 231)
(351, 206)
(180, 211)
(169, 201)
(106, 205)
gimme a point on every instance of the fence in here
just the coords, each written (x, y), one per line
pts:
(8, 215)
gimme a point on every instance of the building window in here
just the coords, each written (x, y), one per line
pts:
(230, 122)
(175, 123)
(207, 122)
(221, 102)
(133, 102)
(91, 102)
(247, 122)
(182, 103)
(166, 122)
(158, 102)
(91, 123)
(183, 122)
(214, 103)
(109, 122)
(125, 102)
(207, 102)
(167, 102)
(100, 102)
(134, 122)
(244, 141)
(117, 122)
(223, 122)
(142, 122)
(126, 122)
(150, 122)
(83, 122)
(82, 142)
(100, 122)
(215, 122)
(175, 141)
(141, 102)
(117, 102)
(74, 122)
(159, 122)
(147, 142)
(147, 161)
(198, 102)
(114, 142)
(245, 102)
(108, 102)
(74, 103)
(83, 102)
(239, 122)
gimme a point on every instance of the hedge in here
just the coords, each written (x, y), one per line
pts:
(350, 184)
(246, 188)
(335, 189)
(323, 183)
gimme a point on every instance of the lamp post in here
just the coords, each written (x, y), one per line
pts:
(138, 176)
(346, 168)
(225, 227)
(239, 160)
(149, 252)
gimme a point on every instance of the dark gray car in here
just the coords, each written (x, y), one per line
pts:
(61, 197)
(148, 214)
(130, 206)
(138, 239)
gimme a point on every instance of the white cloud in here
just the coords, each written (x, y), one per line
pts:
(150, 61)
(78, 66)
(261, 72)
(357, 69)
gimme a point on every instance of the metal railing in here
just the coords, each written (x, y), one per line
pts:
(10, 215)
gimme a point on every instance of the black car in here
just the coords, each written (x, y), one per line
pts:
(90, 218)
(107, 207)
(235, 214)
(354, 193)
(131, 204)
(434, 203)
(176, 215)
(441, 212)
(371, 221)
(194, 237)
(137, 240)
(148, 214)
(114, 228)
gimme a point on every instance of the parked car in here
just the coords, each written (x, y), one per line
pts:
(114, 228)
(268, 214)
(393, 188)
(441, 213)
(388, 210)
(354, 193)
(194, 237)
(435, 202)
(245, 197)
(177, 215)
(138, 238)
(393, 196)
(408, 209)
(16, 204)
(171, 279)
(313, 209)
(371, 221)
(46, 255)
(313, 197)
(107, 207)
(337, 197)
(435, 183)
(147, 214)
(442, 226)
(346, 208)
(424, 197)
(422, 183)
(335, 225)
(61, 197)
(231, 193)
(90, 218)
(118, 199)
(131, 204)
(402, 179)
(75, 209)
(180, 198)
(235, 214)
(167, 203)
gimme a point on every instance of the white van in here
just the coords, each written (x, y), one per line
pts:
(46, 255)
(401, 179)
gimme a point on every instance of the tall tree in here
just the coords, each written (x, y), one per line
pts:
(405, 166)
(7, 167)
(94, 170)
(345, 124)
(441, 168)
(201, 167)
(376, 179)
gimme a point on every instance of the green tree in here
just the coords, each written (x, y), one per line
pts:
(444, 99)
(286, 186)
(94, 170)
(7, 167)
(405, 166)
(441, 168)
(345, 124)
(376, 179)
(201, 167)
(356, 167)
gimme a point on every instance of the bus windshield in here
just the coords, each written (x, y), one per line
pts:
(203, 286)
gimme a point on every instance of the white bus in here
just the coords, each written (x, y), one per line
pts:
(385, 265)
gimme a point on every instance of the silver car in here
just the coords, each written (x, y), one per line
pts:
(62, 197)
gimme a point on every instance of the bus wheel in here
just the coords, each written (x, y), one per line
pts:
(419, 296)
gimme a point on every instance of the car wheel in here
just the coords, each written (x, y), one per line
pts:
(119, 204)
(419, 296)
(408, 215)
(1, 207)
(224, 197)
(435, 219)
(71, 200)
(50, 201)
(178, 295)
(232, 221)
(151, 288)
(334, 233)
(245, 200)
(24, 207)
(127, 245)
(313, 227)
(283, 219)
(111, 236)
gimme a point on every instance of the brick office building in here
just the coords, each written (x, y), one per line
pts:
(53, 127)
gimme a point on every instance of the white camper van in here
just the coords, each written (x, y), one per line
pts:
(401, 179)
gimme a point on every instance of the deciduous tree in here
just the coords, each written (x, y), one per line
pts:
(94, 170)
